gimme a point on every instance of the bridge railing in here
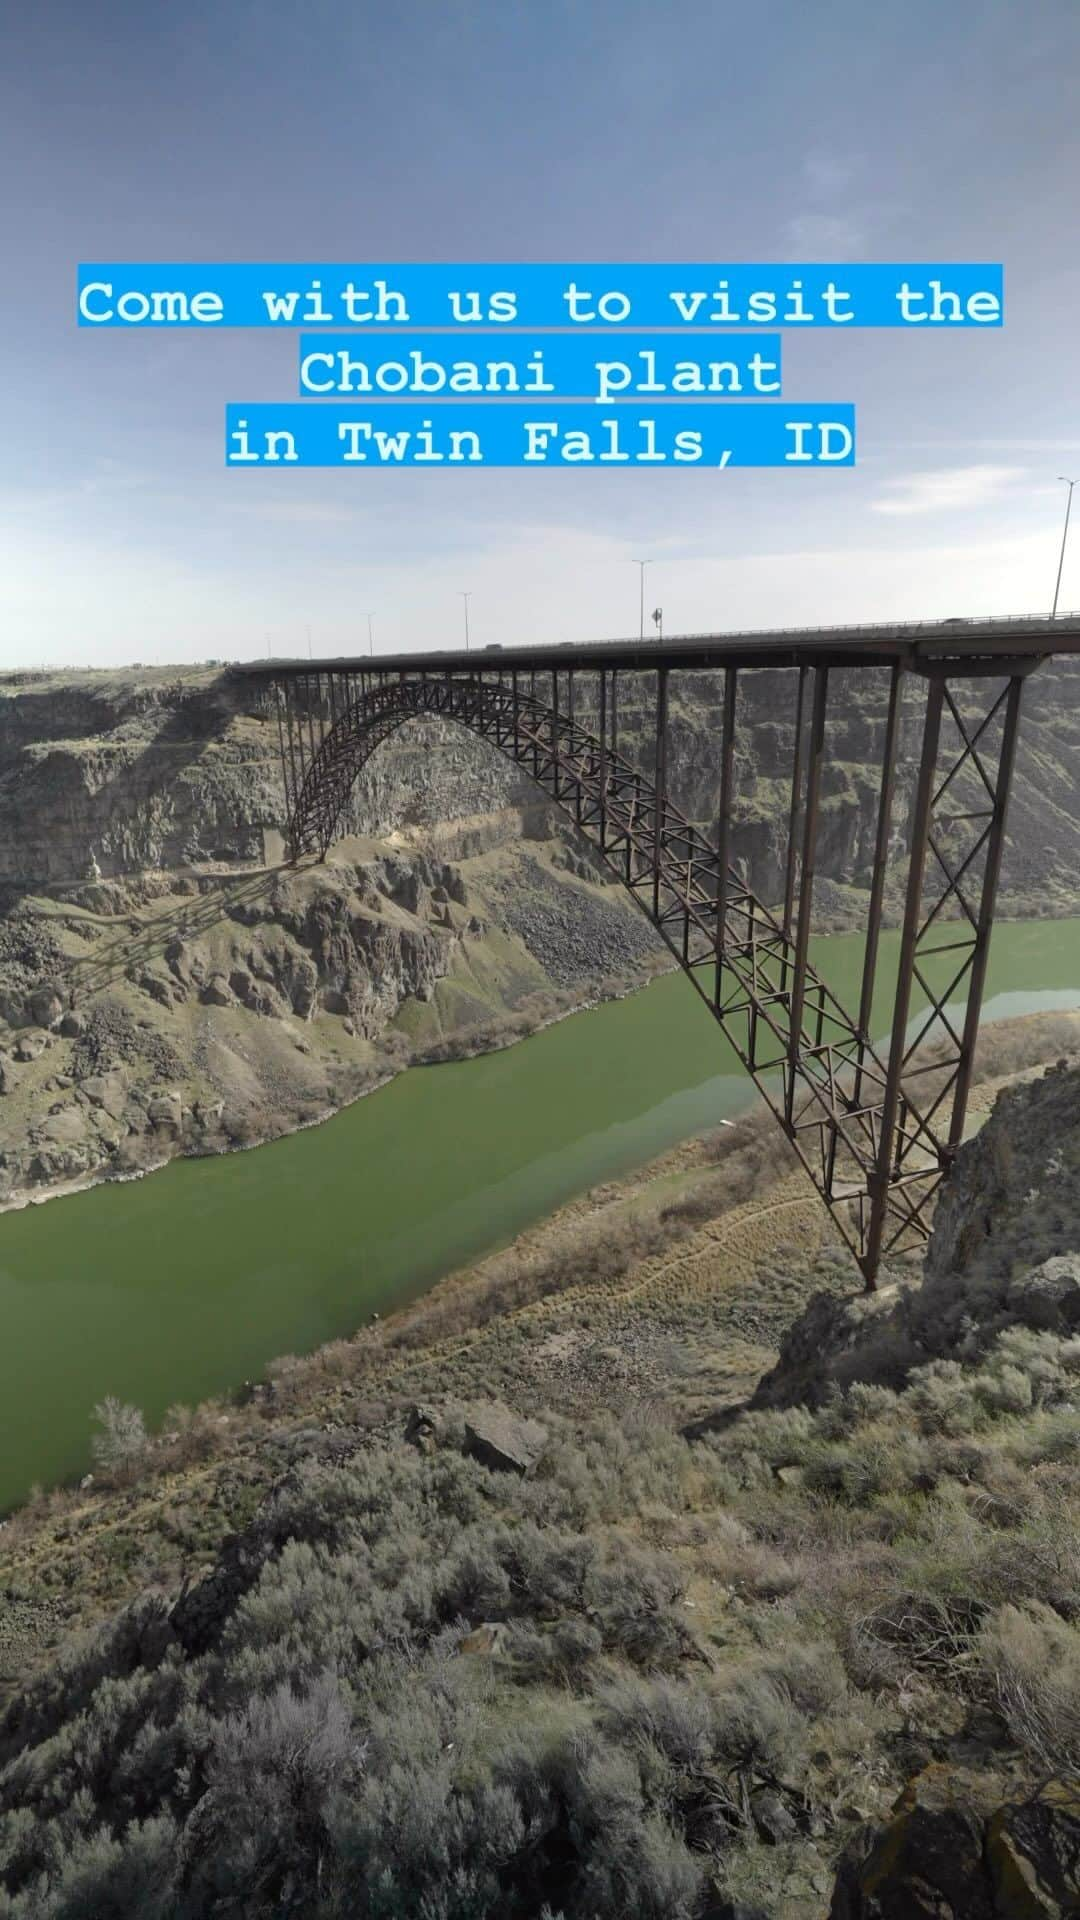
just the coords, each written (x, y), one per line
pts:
(1021, 622)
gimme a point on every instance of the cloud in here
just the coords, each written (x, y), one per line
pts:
(824, 230)
(947, 489)
(826, 173)
(104, 479)
(297, 512)
(824, 236)
(995, 446)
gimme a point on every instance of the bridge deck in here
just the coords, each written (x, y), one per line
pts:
(1032, 637)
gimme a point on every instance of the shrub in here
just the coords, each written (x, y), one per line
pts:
(1029, 1661)
(677, 1719)
(566, 1654)
(942, 1398)
(123, 1441)
(630, 1859)
(273, 1768)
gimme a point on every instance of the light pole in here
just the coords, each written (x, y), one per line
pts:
(1064, 536)
(642, 564)
(466, 597)
(371, 633)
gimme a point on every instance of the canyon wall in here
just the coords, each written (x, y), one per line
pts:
(122, 773)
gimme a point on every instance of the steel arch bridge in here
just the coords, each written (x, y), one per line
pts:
(875, 1125)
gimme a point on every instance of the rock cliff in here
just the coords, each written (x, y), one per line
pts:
(121, 773)
(1004, 1252)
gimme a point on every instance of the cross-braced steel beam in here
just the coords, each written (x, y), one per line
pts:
(875, 1126)
(954, 860)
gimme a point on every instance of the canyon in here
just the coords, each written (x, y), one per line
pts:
(169, 985)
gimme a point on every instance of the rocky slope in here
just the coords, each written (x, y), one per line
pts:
(460, 1617)
(195, 1013)
(1004, 1252)
(167, 986)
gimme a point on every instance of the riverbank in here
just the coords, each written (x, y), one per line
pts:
(174, 1289)
(186, 1017)
(471, 1046)
(709, 1252)
(180, 1068)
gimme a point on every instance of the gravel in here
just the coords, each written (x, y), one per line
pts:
(111, 1035)
(575, 935)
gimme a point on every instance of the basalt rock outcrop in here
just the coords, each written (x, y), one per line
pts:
(1004, 1252)
(123, 773)
(190, 1036)
(944, 1856)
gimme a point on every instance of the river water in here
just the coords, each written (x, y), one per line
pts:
(186, 1283)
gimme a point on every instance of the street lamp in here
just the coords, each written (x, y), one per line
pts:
(466, 597)
(641, 604)
(371, 633)
(1064, 536)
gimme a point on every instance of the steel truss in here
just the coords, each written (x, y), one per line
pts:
(875, 1125)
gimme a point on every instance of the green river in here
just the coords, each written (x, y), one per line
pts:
(186, 1283)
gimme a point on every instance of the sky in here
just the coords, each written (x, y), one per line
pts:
(580, 130)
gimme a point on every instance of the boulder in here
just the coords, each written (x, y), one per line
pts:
(72, 1024)
(488, 1637)
(30, 1046)
(105, 1090)
(46, 1005)
(422, 1428)
(265, 1000)
(499, 1440)
(64, 1126)
(792, 1476)
(217, 992)
(108, 1130)
(179, 959)
(1048, 1296)
(166, 1110)
(58, 1162)
(926, 1863)
(166, 992)
(773, 1819)
(1033, 1851)
(9, 1079)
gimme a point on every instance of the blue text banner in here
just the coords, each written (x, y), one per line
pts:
(695, 296)
(509, 434)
